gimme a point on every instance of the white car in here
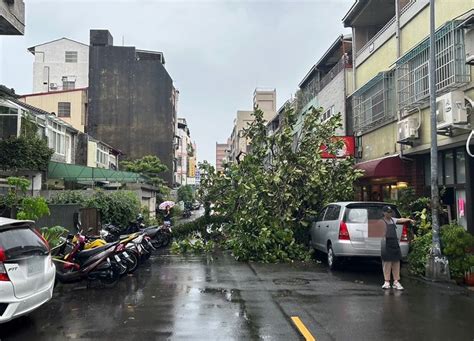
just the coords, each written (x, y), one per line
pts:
(353, 229)
(27, 272)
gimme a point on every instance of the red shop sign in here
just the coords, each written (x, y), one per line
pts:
(347, 150)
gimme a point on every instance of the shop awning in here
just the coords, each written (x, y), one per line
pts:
(387, 167)
(67, 172)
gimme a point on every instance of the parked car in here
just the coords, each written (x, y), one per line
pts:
(353, 229)
(27, 272)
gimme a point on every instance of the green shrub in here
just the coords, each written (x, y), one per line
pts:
(32, 208)
(419, 252)
(52, 234)
(115, 207)
(456, 244)
(68, 197)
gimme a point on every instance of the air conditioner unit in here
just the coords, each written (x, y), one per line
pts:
(408, 129)
(451, 110)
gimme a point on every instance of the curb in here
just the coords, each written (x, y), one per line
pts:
(450, 286)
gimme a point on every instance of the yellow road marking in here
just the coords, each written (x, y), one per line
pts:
(302, 328)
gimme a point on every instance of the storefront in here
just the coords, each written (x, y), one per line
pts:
(455, 179)
(382, 178)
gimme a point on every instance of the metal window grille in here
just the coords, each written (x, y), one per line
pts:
(71, 56)
(69, 85)
(412, 70)
(374, 103)
(64, 109)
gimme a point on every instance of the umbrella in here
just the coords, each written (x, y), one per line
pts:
(166, 203)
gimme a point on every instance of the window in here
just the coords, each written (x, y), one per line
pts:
(69, 85)
(332, 213)
(328, 114)
(413, 68)
(449, 168)
(64, 109)
(8, 122)
(460, 166)
(102, 156)
(71, 56)
(373, 103)
(56, 137)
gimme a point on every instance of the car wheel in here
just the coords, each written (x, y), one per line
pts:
(332, 259)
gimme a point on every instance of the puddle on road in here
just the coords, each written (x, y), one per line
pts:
(291, 281)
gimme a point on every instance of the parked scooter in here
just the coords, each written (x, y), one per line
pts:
(95, 264)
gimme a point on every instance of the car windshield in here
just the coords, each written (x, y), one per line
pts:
(21, 241)
(358, 214)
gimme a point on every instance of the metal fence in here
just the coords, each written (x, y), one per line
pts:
(374, 103)
(412, 70)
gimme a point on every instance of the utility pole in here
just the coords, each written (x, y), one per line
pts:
(437, 267)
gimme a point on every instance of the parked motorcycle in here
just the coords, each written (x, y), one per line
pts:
(99, 263)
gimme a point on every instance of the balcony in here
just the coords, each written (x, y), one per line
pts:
(412, 70)
(373, 103)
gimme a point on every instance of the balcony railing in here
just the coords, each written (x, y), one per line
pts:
(374, 103)
(315, 86)
(412, 70)
(344, 63)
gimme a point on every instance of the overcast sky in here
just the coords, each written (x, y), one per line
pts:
(217, 52)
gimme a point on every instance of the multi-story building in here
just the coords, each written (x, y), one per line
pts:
(222, 150)
(69, 105)
(132, 100)
(61, 64)
(192, 165)
(263, 99)
(185, 153)
(391, 110)
(12, 17)
(327, 84)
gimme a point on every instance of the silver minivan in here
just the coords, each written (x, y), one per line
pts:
(353, 229)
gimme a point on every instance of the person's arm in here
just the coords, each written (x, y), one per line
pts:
(404, 220)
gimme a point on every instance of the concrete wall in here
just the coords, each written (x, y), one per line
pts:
(131, 104)
(12, 18)
(52, 55)
(333, 95)
(49, 102)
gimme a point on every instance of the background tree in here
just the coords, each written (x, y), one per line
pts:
(151, 167)
(185, 194)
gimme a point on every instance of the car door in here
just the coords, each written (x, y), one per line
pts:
(330, 228)
(316, 231)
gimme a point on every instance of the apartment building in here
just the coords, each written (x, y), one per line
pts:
(265, 100)
(185, 155)
(69, 105)
(390, 102)
(222, 150)
(132, 100)
(327, 84)
(61, 64)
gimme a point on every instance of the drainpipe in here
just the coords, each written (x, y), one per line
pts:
(397, 21)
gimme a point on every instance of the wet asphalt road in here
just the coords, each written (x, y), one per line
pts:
(216, 298)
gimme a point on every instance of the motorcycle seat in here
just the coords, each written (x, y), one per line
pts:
(91, 252)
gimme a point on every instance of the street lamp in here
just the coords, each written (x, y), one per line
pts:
(437, 267)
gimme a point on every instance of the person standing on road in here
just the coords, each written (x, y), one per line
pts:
(391, 253)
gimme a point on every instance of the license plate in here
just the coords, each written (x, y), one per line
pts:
(117, 258)
(35, 265)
